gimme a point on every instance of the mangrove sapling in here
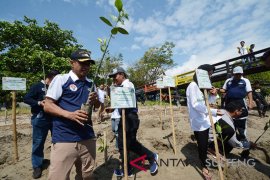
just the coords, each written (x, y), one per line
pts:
(104, 44)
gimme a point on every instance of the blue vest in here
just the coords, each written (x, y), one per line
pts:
(73, 96)
(236, 89)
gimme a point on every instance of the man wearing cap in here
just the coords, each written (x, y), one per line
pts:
(73, 138)
(236, 89)
(41, 122)
(132, 125)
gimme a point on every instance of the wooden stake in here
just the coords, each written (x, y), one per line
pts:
(6, 115)
(214, 133)
(124, 143)
(160, 104)
(105, 149)
(16, 157)
(174, 141)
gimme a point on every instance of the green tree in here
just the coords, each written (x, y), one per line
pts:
(26, 47)
(263, 78)
(153, 64)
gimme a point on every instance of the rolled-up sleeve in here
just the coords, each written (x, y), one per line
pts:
(55, 89)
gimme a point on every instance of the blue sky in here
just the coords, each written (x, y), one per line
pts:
(204, 31)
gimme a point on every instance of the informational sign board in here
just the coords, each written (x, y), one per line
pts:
(13, 83)
(123, 97)
(203, 79)
(168, 81)
(160, 83)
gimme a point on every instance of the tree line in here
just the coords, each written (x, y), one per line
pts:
(27, 47)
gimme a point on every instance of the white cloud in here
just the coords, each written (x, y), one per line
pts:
(84, 2)
(205, 31)
(171, 2)
(135, 47)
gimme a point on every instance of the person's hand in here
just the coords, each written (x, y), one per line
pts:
(213, 91)
(93, 97)
(109, 110)
(79, 116)
(41, 103)
(220, 112)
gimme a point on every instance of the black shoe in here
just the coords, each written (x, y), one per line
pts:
(37, 173)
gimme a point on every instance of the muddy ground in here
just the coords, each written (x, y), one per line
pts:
(183, 164)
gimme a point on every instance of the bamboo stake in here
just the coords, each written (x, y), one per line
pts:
(6, 116)
(174, 141)
(160, 104)
(105, 147)
(16, 157)
(214, 133)
(124, 143)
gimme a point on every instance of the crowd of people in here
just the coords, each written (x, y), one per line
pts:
(56, 106)
(238, 99)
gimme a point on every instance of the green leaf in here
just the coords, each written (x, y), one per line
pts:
(218, 128)
(122, 30)
(114, 30)
(119, 5)
(106, 21)
(99, 40)
(102, 48)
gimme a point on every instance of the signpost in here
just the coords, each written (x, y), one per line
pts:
(169, 82)
(13, 84)
(123, 97)
(205, 83)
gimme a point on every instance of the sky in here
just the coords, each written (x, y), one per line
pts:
(203, 31)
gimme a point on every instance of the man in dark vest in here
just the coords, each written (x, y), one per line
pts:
(236, 89)
(41, 122)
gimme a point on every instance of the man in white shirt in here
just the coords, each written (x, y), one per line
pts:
(243, 50)
(119, 76)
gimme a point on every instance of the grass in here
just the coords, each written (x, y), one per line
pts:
(19, 111)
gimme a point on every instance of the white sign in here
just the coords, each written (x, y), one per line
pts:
(203, 79)
(123, 97)
(13, 83)
(160, 83)
(168, 81)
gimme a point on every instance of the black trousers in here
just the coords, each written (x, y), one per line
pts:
(132, 122)
(202, 141)
(261, 106)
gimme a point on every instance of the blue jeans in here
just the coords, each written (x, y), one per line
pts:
(40, 125)
(115, 123)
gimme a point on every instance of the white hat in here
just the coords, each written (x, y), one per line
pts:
(238, 70)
